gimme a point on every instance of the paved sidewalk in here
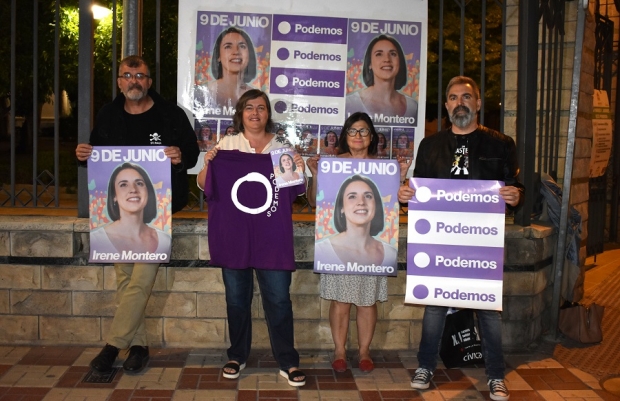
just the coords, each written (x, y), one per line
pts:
(57, 373)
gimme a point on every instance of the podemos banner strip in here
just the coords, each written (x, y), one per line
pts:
(455, 251)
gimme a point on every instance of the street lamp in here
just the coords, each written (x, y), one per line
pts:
(100, 12)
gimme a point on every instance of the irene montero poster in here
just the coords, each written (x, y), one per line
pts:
(129, 202)
(357, 217)
(318, 61)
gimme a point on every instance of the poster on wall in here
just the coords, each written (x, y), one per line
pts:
(317, 66)
(129, 193)
(602, 134)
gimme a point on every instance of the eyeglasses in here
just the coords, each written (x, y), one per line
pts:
(362, 131)
(138, 76)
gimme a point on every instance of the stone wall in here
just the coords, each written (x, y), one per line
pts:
(50, 295)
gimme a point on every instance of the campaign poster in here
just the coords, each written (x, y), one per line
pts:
(455, 243)
(129, 194)
(384, 150)
(284, 168)
(307, 143)
(357, 217)
(402, 142)
(383, 70)
(328, 140)
(311, 60)
(226, 128)
(286, 132)
(206, 134)
(232, 57)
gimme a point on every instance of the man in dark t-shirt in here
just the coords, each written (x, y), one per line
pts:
(466, 150)
(139, 116)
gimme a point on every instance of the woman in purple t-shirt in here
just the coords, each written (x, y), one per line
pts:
(253, 126)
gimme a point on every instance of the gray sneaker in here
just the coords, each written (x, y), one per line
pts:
(421, 379)
(499, 391)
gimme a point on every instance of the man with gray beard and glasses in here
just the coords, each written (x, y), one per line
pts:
(471, 151)
(139, 116)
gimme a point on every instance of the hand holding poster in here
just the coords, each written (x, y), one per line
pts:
(129, 201)
(357, 217)
(285, 169)
(455, 243)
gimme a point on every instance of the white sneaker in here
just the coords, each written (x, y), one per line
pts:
(421, 379)
(499, 391)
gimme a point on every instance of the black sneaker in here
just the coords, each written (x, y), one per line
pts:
(137, 359)
(103, 362)
(499, 391)
(421, 379)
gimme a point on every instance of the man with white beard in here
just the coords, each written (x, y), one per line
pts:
(466, 150)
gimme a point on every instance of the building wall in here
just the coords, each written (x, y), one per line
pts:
(50, 294)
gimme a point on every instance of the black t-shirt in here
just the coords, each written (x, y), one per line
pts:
(460, 161)
(142, 128)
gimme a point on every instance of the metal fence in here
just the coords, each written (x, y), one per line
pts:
(475, 46)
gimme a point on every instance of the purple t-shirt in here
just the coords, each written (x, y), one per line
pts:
(250, 220)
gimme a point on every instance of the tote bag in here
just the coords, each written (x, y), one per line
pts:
(460, 343)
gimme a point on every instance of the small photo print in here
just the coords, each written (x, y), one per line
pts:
(226, 128)
(285, 170)
(307, 139)
(328, 141)
(385, 139)
(206, 134)
(402, 142)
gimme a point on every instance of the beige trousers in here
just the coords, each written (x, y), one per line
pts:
(134, 284)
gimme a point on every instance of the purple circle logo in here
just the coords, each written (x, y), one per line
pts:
(420, 291)
(280, 107)
(422, 226)
(283, 53)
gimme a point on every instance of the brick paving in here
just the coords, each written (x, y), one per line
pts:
(173, 374)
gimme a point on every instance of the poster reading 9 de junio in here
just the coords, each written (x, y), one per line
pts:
(316, 66)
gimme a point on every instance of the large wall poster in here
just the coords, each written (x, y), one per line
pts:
(316, 65)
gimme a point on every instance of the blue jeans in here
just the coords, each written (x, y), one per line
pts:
(274, 288)
(490, 326)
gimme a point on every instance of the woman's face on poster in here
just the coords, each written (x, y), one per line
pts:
(131, 191)
(287, 162)
(384, 60)
(234, 53)
(358, 203)
(332, 139)
(205, 132)
(381, 141)
(230, 130)
(306, 139)
(403, 141)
